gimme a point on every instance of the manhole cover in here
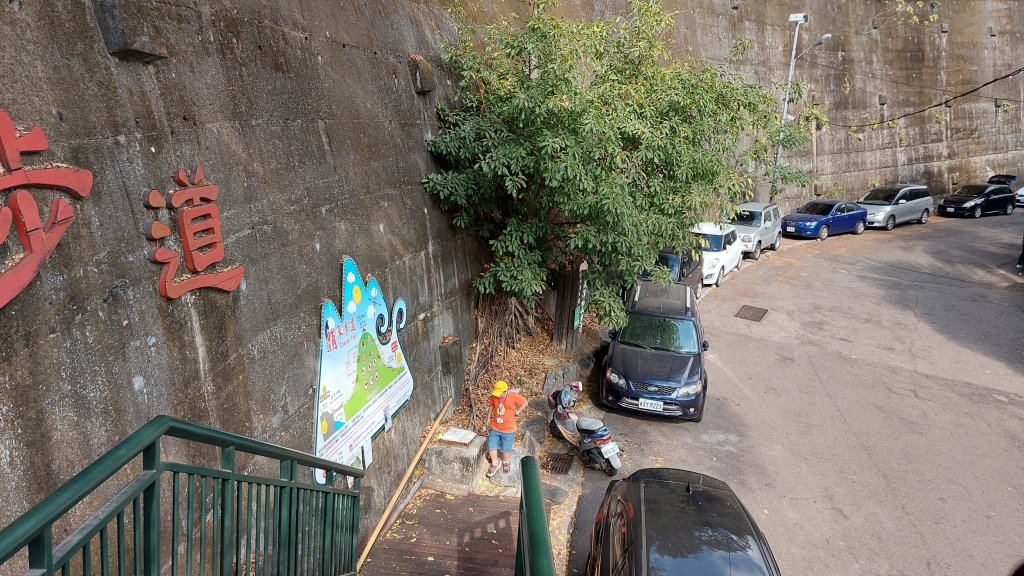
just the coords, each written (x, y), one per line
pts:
(557, 463)
(752, 313)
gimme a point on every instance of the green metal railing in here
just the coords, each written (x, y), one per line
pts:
(533, 546)
(185, 520)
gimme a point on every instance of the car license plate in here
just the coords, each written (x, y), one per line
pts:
(610, 449)
(652, 404)
(790, 229)
(949, 210)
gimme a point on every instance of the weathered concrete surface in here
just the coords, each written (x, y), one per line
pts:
(871, 421)
(454, 469)
(304, 114)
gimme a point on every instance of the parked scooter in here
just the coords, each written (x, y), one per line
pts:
(589, 436)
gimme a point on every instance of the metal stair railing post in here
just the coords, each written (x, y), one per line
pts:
(533, 548)
(227, 514)
(151, 511)
(285, 521)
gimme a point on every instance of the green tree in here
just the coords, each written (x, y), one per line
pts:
(575, 141)
(896, 12)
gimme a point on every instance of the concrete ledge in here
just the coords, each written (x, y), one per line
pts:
(453, 469)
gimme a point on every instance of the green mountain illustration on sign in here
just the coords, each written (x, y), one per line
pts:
(372, 376)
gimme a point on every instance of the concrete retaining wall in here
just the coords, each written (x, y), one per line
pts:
(305, 115)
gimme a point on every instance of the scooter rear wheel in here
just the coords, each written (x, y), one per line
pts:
(609, 469)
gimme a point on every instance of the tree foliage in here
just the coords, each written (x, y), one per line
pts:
(585, 141)
(896, 12)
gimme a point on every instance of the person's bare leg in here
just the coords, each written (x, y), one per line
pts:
(492, 457)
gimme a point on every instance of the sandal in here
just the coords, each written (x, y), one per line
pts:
(506, 467)
(492, 469)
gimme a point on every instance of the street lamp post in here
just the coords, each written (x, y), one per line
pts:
(799, 18)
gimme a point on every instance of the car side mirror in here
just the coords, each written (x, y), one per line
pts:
(705, 346)
(902, 201)
(612, 334)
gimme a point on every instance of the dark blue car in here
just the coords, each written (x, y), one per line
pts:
(820, 218)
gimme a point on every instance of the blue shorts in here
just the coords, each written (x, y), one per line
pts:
(500, 440)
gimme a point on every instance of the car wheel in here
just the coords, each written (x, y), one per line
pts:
(859, 228)
(721, 274)
(1009, 208)
(757, 252)
(823, 233)
(778, 242)
(977, 212)
(924, 217)
(890, 222)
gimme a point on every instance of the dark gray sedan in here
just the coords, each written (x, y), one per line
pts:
(668, 521)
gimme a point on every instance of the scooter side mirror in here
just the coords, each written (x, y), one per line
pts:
(576, 385)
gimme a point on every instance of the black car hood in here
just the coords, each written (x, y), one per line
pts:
(959, 199)
(642, 365)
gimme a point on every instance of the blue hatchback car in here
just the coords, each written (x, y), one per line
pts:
(820, 218)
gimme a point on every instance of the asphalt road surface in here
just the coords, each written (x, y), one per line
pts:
(873, 421)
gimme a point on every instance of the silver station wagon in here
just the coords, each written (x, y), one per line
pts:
(890, 205)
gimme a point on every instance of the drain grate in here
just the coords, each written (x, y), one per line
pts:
(752, 313)
(557, 463)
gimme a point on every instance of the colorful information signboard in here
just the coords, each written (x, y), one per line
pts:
(364, 378)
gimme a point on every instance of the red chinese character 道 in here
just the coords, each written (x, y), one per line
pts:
(38, 240)
(201, 238)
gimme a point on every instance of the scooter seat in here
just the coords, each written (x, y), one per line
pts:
(588, 425)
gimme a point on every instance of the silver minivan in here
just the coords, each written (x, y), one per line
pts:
(890, 205)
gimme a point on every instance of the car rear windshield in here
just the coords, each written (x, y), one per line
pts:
(879, 197)
(747, 218)
(712, 242)
(702, 531)
(816, 208)
(670, 261)
(970, 190)
(660, 333)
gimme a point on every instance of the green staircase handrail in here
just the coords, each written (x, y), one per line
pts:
(533, 545)
(34, 528)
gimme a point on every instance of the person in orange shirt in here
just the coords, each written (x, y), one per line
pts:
(505, 406)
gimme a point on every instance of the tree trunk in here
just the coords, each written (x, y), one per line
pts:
(568, 304)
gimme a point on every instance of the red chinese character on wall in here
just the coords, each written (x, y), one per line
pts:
(201, 238)
(38, 239)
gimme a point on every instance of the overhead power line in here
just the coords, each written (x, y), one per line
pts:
(942, 103)
(898, 82)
